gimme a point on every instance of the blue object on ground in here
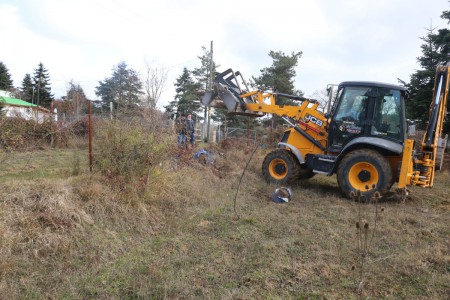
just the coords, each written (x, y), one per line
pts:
(282, 195)
(200, 152)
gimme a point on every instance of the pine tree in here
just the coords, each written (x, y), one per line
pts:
(202, 74)
(442, 40)
(123, 88)
(435, 51)
(27, 88)
(6, 82)
(421, 83)
(42, 91)
(187, 97)
(279, 78)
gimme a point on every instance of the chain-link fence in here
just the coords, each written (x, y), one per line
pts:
(248, 136)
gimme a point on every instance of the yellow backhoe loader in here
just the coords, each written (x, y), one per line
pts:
(362, 139)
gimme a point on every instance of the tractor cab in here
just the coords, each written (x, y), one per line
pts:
(369, 113)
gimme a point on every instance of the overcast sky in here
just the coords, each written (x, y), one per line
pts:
(340, 40)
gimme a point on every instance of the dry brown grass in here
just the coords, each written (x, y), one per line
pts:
(77, 237)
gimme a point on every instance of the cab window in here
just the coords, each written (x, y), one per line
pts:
(351, 116)
(387, 116)
(353, 107)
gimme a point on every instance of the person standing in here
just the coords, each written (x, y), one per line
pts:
(190, 128)
(181, 130)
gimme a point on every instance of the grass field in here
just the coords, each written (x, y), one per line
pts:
(68, 234)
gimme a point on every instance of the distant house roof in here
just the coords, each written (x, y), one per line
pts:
(16, 102)
(10, 101)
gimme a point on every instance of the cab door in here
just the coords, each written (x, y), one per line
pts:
(350, 117)
(388, 119)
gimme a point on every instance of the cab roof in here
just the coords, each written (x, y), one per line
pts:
(373, 84)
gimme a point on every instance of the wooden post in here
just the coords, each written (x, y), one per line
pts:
(51, 124)
(90, 137)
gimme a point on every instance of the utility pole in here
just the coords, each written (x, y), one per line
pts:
(211, 87)
(38, 93)
(76, 103)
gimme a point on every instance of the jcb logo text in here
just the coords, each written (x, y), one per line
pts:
(314, 120)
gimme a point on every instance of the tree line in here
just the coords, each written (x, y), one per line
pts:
(192, 84)
(435, 51)
(126, 88)
(35, 89)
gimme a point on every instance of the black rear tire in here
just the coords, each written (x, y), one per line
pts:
(364, 170)
(303, 172)
(280, 167)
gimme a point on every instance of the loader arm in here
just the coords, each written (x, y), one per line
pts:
(418, 168)
(307, 108)
(228, 92)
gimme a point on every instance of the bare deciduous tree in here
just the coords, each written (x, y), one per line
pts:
(75, 99)
(323, 98)
(155, 79)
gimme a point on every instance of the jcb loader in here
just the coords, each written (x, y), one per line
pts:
(362, 139)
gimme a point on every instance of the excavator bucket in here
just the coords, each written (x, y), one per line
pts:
(220, 97)
(208, 98)
(227, 92)
(228, 98)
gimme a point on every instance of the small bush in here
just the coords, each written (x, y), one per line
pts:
(19, 134)
(127, 153)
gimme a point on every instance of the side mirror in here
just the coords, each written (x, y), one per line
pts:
(411, 128)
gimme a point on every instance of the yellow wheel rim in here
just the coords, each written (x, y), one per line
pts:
(278, 168)
(363, 176)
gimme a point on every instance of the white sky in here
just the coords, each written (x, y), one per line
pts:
(340, 40)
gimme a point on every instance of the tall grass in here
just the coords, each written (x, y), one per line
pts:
(101, 236)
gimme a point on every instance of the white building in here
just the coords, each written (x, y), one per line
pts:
(13, 107)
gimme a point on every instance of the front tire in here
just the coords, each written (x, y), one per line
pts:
(280, 167)
(364, 170)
